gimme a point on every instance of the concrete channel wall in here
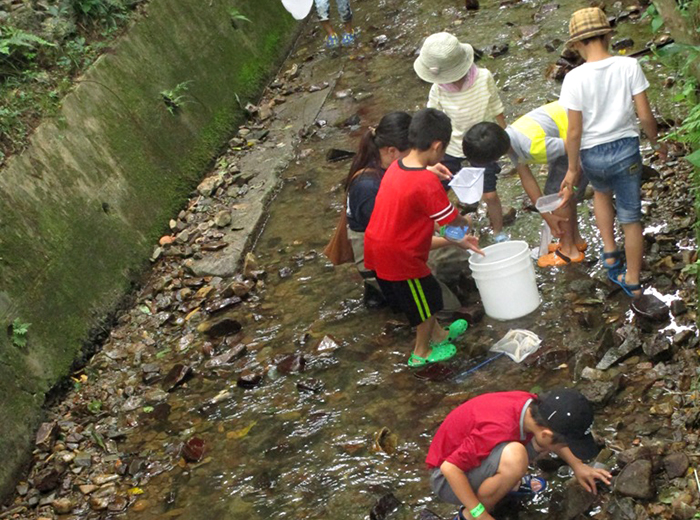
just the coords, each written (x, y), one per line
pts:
(81, 209)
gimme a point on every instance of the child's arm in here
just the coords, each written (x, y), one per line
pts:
(527, 179)
(462, 489)
(501, 120)
(585, 474)
(573, 150)
(648, 123)
(433, 98)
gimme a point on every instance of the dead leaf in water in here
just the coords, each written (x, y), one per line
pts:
(239, 434)
(385, 441)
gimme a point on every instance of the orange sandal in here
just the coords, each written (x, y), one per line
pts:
(555, 245)
(558, 259)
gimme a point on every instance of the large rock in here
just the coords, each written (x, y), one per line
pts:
(599, 393)
(676, 464)
(658, 348)
(630, 342)
(636, 481)
(650, 307)
(577, 501)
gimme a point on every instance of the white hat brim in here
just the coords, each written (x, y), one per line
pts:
(448, 76)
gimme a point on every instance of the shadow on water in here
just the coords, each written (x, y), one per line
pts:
(276, 451)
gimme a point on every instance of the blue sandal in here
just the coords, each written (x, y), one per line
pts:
(620, 279)
(616, 266)
(527, 486)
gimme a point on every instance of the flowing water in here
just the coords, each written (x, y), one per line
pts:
(277, 452)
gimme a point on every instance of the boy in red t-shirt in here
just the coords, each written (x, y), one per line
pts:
(410, 203)
(482, 449)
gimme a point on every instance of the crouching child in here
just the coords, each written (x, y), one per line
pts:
(482, 450)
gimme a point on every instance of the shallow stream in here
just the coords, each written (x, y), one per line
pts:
(277, 452)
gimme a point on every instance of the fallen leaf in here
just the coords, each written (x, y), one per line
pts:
(135, 491)
(239, 434)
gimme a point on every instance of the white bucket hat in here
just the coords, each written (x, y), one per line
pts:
(443, 59)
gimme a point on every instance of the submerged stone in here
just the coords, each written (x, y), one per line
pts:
(310, 385)
(384, 506)
(249, 379)
(176, 376)
(327, 344)
(427, 514)
(334, 154)
(193, 449)
(220, 328)
(293, 363)
(227, 357)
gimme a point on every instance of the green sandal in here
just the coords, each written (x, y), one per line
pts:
(440, 352)
(456, 329)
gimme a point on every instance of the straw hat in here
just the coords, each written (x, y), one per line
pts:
(443, 59)
(586, 23)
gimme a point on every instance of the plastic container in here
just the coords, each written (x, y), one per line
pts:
(548, 203)
(505, 278)
(455, 233)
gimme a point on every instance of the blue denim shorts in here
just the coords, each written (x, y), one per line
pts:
(323, 10)
(617, 167)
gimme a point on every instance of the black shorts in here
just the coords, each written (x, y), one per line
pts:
(491, 171)
(418, 298)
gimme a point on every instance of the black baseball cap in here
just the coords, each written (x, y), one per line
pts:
(568, 413)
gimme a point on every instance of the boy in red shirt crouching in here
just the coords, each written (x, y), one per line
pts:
(482, 449)
(410, 203)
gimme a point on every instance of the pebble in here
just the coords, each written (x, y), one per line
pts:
(62, 505)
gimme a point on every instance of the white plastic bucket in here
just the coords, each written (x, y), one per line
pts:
(505, 278)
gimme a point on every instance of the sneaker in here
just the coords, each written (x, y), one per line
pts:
(530, 485)
(332, 41)
(348, 39)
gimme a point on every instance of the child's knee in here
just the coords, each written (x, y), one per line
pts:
(491, 197)
(514, 460)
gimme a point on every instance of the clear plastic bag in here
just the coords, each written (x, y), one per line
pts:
(517, 344)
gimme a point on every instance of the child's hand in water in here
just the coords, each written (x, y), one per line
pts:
(471, 242)
(441, 171)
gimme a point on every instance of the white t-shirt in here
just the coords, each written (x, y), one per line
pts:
(602, 91)
(477, 104)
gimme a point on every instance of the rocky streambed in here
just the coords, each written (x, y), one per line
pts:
(254, 384)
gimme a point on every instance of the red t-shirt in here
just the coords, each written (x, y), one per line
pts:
(409, 203)
(471, 431)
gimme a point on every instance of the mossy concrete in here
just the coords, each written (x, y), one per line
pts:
(83, 206)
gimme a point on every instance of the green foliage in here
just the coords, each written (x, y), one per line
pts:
(94, 406)
(19, 333)
(16, 43)
(104, 12)
(656, 20)
(236, 17)
(174, 98)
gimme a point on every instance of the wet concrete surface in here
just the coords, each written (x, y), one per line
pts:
(275, 393)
